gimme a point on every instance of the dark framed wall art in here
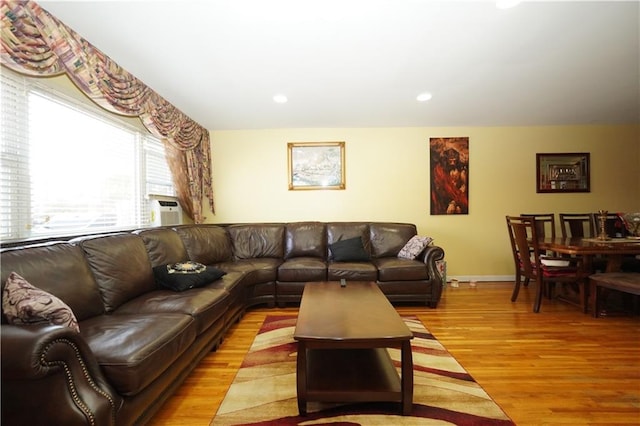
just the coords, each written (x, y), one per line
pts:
(563, 172)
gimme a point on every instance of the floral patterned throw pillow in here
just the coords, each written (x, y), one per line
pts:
(414, 247)
(22, 303)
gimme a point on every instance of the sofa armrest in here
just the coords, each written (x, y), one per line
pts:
(429, 256)
(49, 372)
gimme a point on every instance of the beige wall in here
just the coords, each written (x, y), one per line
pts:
(387, 179)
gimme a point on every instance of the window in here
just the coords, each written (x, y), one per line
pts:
(69, 168)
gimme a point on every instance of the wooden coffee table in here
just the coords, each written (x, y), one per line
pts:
(342, 335)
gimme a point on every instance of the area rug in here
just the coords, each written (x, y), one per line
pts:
(264, 389)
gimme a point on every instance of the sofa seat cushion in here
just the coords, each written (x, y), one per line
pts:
(300, 269)
(258, 270)
(206, 305)
(397, 269)
(134, 350)
(356, 271)
(231, 282)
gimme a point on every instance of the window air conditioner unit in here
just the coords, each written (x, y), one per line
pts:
(165, 212)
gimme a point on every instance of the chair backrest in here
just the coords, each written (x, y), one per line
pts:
(545, 224)
(577, 225)
(524, 243)
(613, 225)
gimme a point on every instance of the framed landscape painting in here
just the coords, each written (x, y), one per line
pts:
(449, 175)
(316, 165)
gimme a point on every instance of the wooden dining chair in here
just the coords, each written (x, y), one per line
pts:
(532, 265)
(581, 225)
(545, 224)
(577, 225)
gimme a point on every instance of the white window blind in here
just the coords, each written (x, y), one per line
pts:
(70, 168)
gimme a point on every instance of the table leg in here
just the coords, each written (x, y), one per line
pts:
(301, 378)
(593, 293)
(407, 378)
(614, 262)
(587, 298)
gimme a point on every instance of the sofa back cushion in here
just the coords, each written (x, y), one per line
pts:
(60, 269)
(305, 239)
(339, 231)
(257, 240)
(121, 267)
(206, 244)
(164, 246)
(387, 239)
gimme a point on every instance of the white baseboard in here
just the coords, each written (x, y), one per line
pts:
(480, 278)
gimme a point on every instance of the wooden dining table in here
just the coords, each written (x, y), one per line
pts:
(613, 249)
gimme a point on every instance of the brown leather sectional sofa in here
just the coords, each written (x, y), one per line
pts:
(138, 341)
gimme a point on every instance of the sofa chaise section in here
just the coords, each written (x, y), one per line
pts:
(151, 338)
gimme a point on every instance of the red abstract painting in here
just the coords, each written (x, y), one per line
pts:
(449, 175)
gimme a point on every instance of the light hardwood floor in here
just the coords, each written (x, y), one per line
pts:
(558, 367)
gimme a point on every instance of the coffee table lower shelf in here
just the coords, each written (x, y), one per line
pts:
(349, 375)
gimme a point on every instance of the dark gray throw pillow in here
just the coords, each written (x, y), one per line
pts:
(349, 250)
(186, 275)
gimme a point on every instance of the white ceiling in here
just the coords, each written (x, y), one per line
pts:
(361, 63)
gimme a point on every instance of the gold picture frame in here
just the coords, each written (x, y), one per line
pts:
(563, 172)
(316, 165)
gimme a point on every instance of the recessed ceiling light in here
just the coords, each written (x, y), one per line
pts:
(423, 97)
(280, 99)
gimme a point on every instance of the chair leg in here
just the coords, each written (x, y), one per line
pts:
(516, 288)
(550, 290)
(539, 291)
(593, 293)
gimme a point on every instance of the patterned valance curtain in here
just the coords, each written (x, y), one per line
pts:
(37, 44)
